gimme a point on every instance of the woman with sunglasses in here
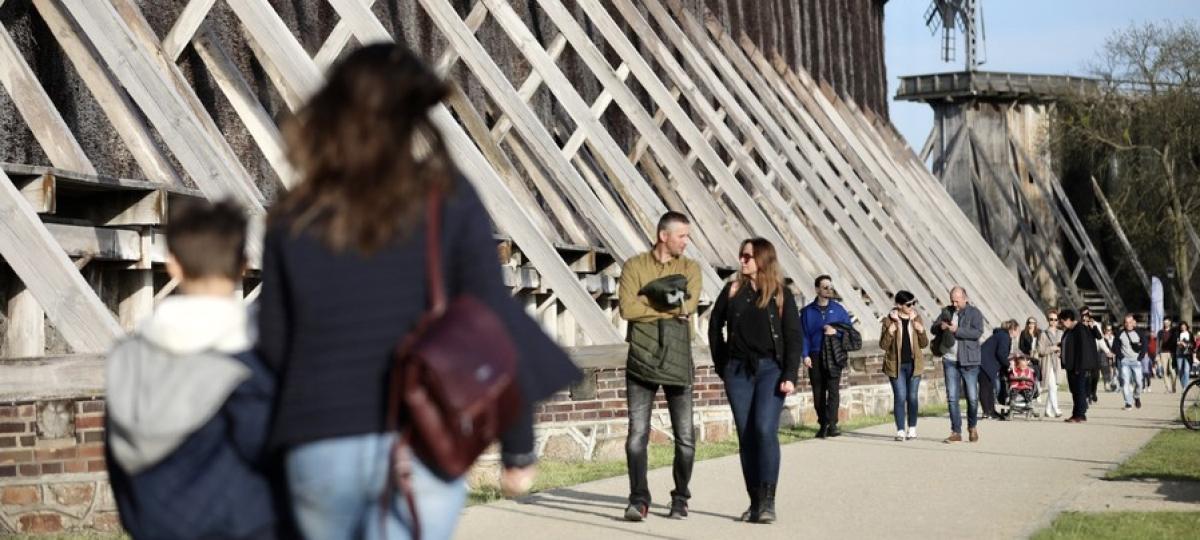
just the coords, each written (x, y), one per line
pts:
(903, 338)
(1052, 366)
(755, 338)
(1034, 344)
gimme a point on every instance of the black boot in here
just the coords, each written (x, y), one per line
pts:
(821, 432)
(833, 431)
(751, 513)
(766, 512)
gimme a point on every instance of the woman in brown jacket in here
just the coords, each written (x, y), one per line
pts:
(903, 339)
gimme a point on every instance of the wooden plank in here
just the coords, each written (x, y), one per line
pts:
(206, 160)
(39, 113)
(185, 27)
(39, 192)
(288, 65)
(98, 244)
(122, 114)
(1116, 225)
(245, 104)
(41, 265)
(137, 297)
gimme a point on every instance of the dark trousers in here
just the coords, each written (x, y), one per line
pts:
(756, 404)
(640, 399)
(827, 389)
(1078, 382)
(987, 394)
(1093, 383)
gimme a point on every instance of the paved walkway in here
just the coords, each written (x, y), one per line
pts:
(865, 485)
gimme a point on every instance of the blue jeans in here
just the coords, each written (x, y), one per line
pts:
(336, 485)
(956, 375)
(1183, 368)
(904, 396)
(1131, 376)
(756, 404)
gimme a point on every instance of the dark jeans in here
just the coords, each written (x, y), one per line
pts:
(640, 399)
(904, 397)
(826, 394)
(1093, 382)
(756, 404)
(1078, 382)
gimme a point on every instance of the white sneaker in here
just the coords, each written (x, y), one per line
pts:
(912, 432)
(900, 435)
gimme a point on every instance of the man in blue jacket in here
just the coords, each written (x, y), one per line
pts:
(961, 360)
(817, 320)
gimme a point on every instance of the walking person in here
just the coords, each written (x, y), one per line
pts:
(994, 364)
(1184, 349)
(824, 317)
(903, 338)
(344, 284)
(1132, 347)
(1096, 329)
(1168, 340)
(658, 292)
(756, 341)
(1079, 359)
(957, 332)
(1052, 366)
(1111, 371)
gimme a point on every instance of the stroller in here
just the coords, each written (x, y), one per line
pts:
(1022, 392)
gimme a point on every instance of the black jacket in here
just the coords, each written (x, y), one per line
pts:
(1079, 351)
(219, 483)
(994, 353)
(786, 331)
(836, 349)
(329, 321)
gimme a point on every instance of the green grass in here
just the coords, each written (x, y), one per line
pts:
(1121, 525)
(1173, 454)
(555, 474)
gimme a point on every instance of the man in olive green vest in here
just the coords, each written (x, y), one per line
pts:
(658, 292)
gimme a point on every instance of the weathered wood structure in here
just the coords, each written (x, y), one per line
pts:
(664, 108)
(988, 148)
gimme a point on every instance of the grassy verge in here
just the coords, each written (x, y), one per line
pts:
(1173, 454)
(555, 474)
(1121, 525)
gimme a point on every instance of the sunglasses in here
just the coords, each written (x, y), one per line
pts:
(745, 257)
(1053, 320)
(910, 304)
(826, 287)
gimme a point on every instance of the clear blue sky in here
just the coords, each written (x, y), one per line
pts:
(1026, 36)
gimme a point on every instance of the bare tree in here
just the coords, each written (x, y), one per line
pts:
(1141, 130)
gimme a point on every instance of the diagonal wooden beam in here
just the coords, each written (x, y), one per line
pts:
(69, 302)
(185, 27)
(1116, 225)
(38, 111)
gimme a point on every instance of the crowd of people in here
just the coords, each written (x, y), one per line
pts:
(286, 422)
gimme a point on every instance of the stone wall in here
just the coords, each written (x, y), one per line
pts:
(52, 475)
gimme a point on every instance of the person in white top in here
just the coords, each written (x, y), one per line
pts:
(1107, 342)
(1052, 364)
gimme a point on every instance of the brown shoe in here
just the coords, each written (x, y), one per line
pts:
(974, 434)
(953, 438)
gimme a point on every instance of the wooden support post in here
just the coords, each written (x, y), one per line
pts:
(25, 336)
(185, 27)
(568, 331)
(137, 297)
(1116, 225)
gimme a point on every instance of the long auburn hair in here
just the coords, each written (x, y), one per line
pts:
(366, 151)
(769, 278)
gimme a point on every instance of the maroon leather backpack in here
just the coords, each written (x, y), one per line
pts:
(453, 388)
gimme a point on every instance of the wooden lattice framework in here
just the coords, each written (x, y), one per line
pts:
(724, 132)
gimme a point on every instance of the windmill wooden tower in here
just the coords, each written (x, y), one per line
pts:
(988, 148)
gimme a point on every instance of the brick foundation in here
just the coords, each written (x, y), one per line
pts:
(52, 467)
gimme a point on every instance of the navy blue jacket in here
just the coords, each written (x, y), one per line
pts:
(217, 484)
(813, 320)
(994, 353)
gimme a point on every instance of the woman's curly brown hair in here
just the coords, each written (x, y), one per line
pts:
(366, 151)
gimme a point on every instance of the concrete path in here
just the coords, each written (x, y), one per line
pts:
(1014, 481)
